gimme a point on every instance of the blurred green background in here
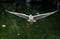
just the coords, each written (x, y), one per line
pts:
(19, 28)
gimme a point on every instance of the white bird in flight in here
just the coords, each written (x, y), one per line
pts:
(30, 18)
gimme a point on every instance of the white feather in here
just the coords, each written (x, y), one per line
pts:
(18, 14)
(40, 16)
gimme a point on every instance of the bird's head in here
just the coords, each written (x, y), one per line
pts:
(30, 15)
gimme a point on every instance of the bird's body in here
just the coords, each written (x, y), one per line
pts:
(30, 18)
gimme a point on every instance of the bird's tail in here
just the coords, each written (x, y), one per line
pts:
(31, 20)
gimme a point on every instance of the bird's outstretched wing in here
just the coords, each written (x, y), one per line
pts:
(18, 14)
(40, 16)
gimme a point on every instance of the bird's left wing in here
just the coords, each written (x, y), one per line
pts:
(40, 16)
(18, 14)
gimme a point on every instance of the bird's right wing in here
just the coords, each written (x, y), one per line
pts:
(18, 14)
(40, 16)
